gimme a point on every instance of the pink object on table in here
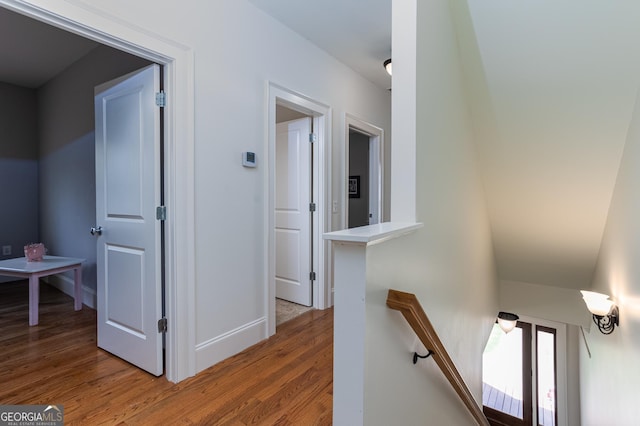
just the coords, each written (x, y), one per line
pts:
(34, 252)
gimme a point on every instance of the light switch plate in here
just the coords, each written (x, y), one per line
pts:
(249, 159)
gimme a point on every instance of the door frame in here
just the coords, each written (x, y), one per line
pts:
(561, 367)
(376, 166)
(296, 288)
(321, 116)
(562, 378)
(177, 61)
(496, 417)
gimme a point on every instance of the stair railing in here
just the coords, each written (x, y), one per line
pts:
(410, 307)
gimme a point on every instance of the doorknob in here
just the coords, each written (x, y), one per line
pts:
(96, 230)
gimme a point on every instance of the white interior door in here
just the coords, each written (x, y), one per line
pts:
(292, 211)
(127, 194)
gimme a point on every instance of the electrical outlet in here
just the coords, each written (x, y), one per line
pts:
(6, 250)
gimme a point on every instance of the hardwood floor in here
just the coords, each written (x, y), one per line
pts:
(285, 380)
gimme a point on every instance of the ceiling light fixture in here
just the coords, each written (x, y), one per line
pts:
(387, 66)
(604, 311)
(507, 321)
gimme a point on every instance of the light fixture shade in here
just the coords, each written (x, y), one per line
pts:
(507, 321)
(604, 312)
(387, 66)
(597, 303)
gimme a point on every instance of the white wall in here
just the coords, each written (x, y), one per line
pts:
(450, 199)
(254, 49)
(541, 301)
(18, 169)
(609, 377)
(67, 159)
(448, 263)
(574, 341)
(237, 50)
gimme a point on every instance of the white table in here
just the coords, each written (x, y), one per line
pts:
(49, 265)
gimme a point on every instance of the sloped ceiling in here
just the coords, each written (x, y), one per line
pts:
(553, 85)
(560, 82)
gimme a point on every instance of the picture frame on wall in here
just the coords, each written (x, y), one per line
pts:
(354, 186)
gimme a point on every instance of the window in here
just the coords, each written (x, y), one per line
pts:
(546, 375)
(506, 390)
(520, 371)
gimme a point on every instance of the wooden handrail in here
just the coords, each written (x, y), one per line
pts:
(408, 305)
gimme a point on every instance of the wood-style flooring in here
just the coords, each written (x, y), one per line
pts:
(285, 380)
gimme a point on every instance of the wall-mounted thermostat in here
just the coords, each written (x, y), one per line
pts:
(249, 159)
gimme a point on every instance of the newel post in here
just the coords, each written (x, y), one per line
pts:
(350, 284)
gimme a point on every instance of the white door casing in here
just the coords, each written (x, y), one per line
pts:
(178, 62)
(293, 219)
(321, 116)
(129, 291)
(376, 168)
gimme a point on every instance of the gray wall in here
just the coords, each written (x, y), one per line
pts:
(67, 163)
(18, 169)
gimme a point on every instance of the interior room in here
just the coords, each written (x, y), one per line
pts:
(509, 139)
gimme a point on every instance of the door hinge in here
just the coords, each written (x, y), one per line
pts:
(161, 213)
(161, 99)
(313, 137)
(162, 325)
(312, 207)
(312, 276)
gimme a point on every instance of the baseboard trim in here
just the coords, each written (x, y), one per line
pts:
(65, 285)
(228, 344)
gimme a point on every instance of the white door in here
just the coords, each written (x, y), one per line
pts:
(127, 194)
(292, 211)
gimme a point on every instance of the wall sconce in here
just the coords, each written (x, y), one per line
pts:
(387, 66)
(507, 321)
(604, 311)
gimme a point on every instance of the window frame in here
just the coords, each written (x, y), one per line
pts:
(552, 331)
(562, 407)
(500, 418)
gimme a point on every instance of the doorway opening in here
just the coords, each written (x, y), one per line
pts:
(506, 390)
(298, 153)
(176, 60)
(294, 213)
(364, 170)
(524, 379)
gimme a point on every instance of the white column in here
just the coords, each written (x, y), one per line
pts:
(403, 111)
(349, 330)
(350, 269)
